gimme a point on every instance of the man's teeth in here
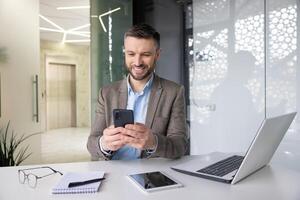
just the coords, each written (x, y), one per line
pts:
(139, 68)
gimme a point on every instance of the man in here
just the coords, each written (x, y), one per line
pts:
(158, 105)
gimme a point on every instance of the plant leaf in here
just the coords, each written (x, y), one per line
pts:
(10, 151)
(21, 155)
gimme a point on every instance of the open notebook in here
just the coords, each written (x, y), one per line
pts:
(62, 187)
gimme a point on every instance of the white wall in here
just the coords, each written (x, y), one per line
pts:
(19, 35)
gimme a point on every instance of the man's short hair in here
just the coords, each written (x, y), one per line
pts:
(143, 31)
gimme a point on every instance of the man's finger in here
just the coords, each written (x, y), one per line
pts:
(130, 139)
(112, 131)
(131, 133)
(118, 143)
(112, 138)
(136, 127)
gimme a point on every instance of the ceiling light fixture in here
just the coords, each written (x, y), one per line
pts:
(104, 14)
(51, 30)
(76, 41)
(107, 13)
(51, 22)
(72, 31)
(72, 7)
(79, 27)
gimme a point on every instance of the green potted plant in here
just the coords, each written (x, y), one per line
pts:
(11, 151)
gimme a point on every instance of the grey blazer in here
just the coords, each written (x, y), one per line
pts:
(166, 117)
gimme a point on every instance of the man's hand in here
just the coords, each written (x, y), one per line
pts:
(139, 136)
(112, 139)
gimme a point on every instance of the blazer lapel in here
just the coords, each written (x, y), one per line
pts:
(123, 94)
(153, 100)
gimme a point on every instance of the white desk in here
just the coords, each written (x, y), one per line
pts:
(277, 181)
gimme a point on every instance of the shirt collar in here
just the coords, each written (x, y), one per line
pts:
(147, 85)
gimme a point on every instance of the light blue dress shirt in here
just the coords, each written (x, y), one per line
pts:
(138, 102)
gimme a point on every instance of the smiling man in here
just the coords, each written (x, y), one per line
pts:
(158, 106)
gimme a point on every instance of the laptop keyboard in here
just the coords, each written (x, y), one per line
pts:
(223, 167)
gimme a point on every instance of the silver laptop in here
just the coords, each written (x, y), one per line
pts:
(231, 168)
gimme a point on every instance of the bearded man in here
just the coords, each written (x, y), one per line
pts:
(159, 129)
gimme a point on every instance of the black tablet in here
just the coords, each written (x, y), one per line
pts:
(154, 181)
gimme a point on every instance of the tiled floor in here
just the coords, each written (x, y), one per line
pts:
(65, 145)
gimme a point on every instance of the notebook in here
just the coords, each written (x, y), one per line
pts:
(62, 187)
(260, 152)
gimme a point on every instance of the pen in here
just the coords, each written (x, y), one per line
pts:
(74, 184)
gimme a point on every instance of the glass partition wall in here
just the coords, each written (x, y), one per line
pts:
(282, 69)
(109, 21)
(242, 60)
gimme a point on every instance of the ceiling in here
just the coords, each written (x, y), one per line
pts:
(55, 24)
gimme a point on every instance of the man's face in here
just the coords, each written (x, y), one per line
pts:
(140, 57)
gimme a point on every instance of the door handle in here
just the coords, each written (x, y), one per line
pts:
(36, 98)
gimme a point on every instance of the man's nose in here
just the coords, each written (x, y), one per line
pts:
(138, 60)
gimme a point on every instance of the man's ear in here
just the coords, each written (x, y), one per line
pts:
(158, 51)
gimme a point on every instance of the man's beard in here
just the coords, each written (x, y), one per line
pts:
(147, 74)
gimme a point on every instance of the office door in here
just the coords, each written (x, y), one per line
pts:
(61, 95)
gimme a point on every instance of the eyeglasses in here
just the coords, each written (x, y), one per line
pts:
(32, 178)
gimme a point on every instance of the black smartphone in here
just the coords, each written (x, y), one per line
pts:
(122, 117)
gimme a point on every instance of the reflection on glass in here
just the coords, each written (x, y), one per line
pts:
(223, 28)
(109, 21)
(281, 82)
(220, 32)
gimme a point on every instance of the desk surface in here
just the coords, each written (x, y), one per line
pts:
(276, 181)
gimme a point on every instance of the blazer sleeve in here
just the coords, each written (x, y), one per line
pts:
(173, 143)
(97, 128)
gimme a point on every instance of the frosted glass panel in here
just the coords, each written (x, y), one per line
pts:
(283, 82)
(282, 57)
(227, 91)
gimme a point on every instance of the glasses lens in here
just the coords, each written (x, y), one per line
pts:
(32, 180)
(21, 177)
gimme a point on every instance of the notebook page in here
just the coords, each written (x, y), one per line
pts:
(62, 186)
